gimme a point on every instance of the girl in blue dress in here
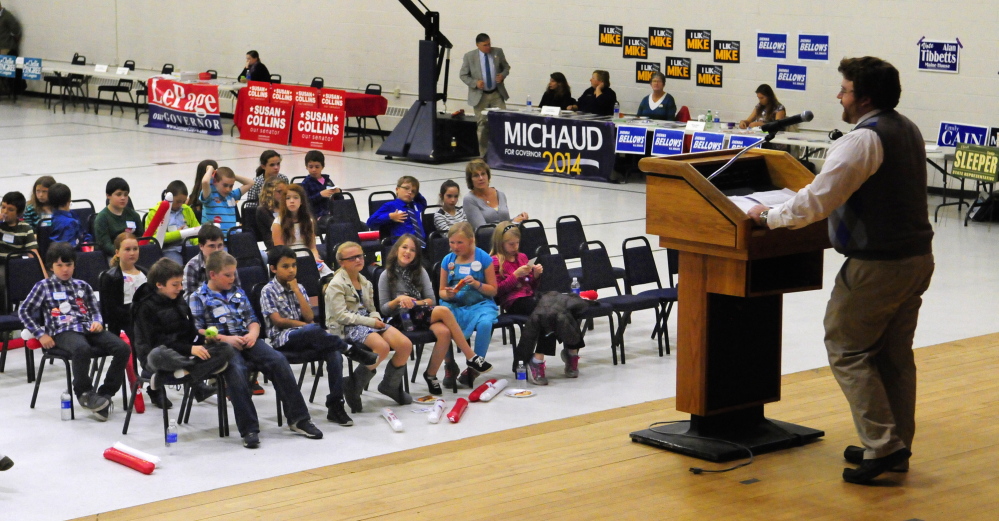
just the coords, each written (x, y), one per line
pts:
(467, 288)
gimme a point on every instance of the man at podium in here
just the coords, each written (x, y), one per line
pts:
(872, 188)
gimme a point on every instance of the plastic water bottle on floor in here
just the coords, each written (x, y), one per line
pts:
(171, 436)
(521, 374)
(66, 406)
(617, 110)
(575, 286)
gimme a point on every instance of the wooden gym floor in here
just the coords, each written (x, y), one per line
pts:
(586, 467)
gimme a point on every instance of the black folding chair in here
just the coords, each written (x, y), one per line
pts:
(570, 236)
(556, 278)
(243, 246)
(317, 82)
(428, 219)
(598, 274)
(20, 275)
(377, 199)
(89, 266)
(484, 237)
(250, 276)
(640, 268)
(123, 87)
(532, 237)
(149, 252)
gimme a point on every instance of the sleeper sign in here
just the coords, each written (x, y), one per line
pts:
(698, 40)
(678, 68)
(611, 35)
(661, 38)
(636, 47)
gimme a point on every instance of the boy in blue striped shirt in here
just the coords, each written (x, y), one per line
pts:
(218, 196)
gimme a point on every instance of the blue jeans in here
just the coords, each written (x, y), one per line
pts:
(275, 366)
(312, 337)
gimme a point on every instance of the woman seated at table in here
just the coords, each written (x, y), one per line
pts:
(659, 104)
(483, 203)
(599, 98)
(767, 110)
(255, 69)
(558, 93)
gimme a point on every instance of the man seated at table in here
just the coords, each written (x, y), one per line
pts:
(255, 70)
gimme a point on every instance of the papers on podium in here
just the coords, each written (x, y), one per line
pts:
(769, 199)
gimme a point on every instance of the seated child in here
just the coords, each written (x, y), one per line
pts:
(65, 228)
(163, 319)
(119, 285)
(70, 320)
(221, 304)
(181, 217)
(318, 186)
(210, 240)
(404, 214)
(270, 167)
(290, 327)
(15, 236)
(116, 217)
(219, 197)
(449, 213)
(39, 208)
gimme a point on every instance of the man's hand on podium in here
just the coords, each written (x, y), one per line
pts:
(754, 214)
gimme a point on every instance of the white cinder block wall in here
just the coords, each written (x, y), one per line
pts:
(354, 42)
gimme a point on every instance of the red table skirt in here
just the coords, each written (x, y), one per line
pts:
(356, 105)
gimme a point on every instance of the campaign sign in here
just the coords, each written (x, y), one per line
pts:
(678, 68)
(813, 47)
(698, 40)
(8, 66)
(727, 51)
(32, 69)
(636, 47)
(551, 146)
(791, 77)
(709, 76)
(611, 35)
(976, 162)
(644, 70)
(951, 134)
(189, 107)
(306, 97)
(266, 122)
(707, 141)
(331, 99)
(661, 38)
(321, 128)
(939, 56)
(258, 91)
(771, 45)
(630, 140)
(667, 142)
(993, 137)
(282, 95)
(737, 141)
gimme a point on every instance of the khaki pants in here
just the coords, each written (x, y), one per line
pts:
(870, 322)
(492, 100)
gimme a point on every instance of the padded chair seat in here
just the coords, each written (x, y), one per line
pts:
(507, 320)
(628, 303)
(660, 293)
(10, 323)
(596, 310)
(301, 357)
(421, 336)
(578, 273)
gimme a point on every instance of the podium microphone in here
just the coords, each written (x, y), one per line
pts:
(781, 124)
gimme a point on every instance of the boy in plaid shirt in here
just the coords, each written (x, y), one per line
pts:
(71, 322)
(219, 303)
(290, 327)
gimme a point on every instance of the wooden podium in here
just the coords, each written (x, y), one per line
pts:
(731, 280)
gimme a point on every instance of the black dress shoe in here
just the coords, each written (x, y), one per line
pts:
(361, 355)
(203, 391)
(872, 468)
(855, 455)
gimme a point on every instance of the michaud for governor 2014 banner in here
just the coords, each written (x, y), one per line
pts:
(189, 107)
(551, 146)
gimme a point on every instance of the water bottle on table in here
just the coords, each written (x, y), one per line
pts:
(709, 122)
(617, 110)
(528, 102)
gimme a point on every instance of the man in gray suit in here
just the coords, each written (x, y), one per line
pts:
(484, 70)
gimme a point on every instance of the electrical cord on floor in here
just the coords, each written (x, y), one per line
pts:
(699, 470)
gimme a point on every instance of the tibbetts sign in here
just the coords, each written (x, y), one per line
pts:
(551, 146)
(189, 107)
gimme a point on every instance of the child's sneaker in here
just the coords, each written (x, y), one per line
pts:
(308, 429)
(571, 364)
(479, 364)
(536, 373)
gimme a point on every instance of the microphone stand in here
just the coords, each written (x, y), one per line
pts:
(772, 134)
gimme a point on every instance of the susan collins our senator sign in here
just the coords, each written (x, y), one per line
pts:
(551, 146)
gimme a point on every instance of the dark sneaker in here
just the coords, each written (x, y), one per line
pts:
(104, 413)
(251, 440)
(361, 355)
(339, 416)
(433, 384)
(467, 378)
(479, 364)
(159, 398)
(6, 463)
(255, 388)
(203, 391)
(92, 401)
(536, 373)
(571, 364)
(308, 429)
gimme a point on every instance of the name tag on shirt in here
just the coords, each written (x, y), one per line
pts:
(219, 311)
(59, 295)
(8, 238)
(130, 225)
(464, 270)
(231, 202)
